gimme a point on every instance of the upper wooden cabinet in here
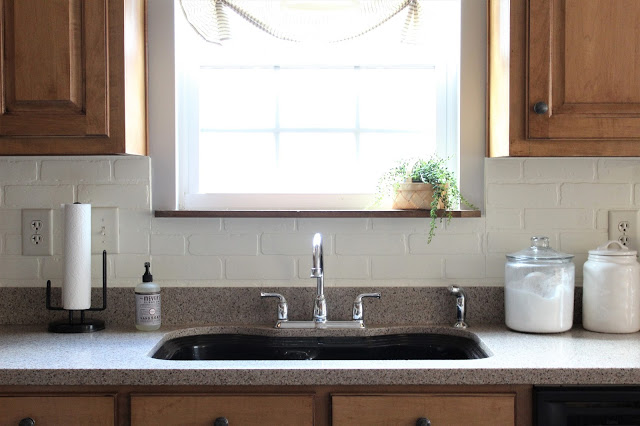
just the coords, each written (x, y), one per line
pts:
(574, 77)
(73, 77)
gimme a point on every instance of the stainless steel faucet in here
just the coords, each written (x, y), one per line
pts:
(317, 271)
(461, 309)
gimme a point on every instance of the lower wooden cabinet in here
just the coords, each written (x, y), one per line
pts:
(435, 409)
(245, 410)
(54, 410)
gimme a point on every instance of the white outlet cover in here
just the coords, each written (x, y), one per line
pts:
(633, 234)
(44, 247)
(105, 230)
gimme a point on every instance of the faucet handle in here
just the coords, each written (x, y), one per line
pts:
(282, 305)
(358, 309)
(461, 308)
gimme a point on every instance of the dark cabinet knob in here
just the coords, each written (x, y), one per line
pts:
(540, 108)
(221, 421)
(423, 421)
(27, 421)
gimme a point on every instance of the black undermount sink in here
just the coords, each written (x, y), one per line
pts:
(208, 347)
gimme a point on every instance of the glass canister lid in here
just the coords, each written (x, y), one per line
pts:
(540, 250)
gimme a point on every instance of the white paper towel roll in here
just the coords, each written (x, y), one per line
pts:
(76, 287)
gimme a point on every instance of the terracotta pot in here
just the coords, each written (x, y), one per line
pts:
(414, 195)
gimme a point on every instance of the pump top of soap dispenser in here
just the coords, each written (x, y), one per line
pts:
(147, 277)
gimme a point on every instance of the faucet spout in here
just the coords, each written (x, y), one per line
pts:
(317, 271)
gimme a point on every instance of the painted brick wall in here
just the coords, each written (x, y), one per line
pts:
(565, 199)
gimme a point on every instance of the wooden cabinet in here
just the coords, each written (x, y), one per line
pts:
(573, 70)
(264, 410)
(72, 77)
(439, 409)
(58, 410)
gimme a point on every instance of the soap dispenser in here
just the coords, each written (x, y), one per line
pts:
(148, 312)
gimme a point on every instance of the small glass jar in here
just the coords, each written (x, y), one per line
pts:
(611, 290)
(538, 289)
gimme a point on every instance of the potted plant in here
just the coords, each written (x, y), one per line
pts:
(422, 184)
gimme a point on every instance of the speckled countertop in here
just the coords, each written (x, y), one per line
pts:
(31, 356)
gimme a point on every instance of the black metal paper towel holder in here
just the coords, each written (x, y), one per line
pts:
(72, 325)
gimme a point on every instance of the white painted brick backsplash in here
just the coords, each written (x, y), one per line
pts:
(36, 197)
(467, 266)
(341, 267)
(11, 220)
(258, 224)
(132, 169)
(509, 242)
(512, 219)
(78, 171)
(581, 242)
(223, 244)
(293, 243)
(595, 195)
(167, 244)
(17, 171)
(502, 170)
(400, 225)
(619, 170)
(186, 226)
(559, 170)
(556, 219)
(123, 196)
(565, 199)
(260, 268)
(313, 225)
(522, 195)
(495, 267)
(13, 244)
(134, 231)
(445, 244)
(406, 267)
(374, 244)
(187, 267)
(53, 269)
(18, 267)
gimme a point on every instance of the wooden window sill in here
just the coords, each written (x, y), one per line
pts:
(311, 213)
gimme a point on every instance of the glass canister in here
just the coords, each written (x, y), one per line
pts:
(611, 290)
(538, 289)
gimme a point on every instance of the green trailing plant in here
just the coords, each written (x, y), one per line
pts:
(433, 171)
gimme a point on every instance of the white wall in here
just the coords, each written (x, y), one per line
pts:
(565, 199)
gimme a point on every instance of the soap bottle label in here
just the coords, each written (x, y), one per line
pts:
(148, 308)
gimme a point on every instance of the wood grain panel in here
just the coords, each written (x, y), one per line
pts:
(247, 410)
(58, 410)
(441, 410)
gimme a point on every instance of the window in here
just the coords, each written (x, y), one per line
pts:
(262, 128)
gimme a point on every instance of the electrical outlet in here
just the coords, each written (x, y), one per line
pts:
(623, 227)
(105, 230)
(37, 232)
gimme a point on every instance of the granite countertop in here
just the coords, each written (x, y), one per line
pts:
(31, 356)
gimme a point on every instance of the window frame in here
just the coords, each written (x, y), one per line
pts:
(167, 157)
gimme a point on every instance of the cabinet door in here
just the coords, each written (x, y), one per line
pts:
(245, 410)
(440, 410)
(584, 65)
(58, 410)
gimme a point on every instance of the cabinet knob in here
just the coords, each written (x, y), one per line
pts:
(423, 421)
(221, 421)
(540, 108)
(27, 421)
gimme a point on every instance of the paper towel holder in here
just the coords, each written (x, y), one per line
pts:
(72, 325)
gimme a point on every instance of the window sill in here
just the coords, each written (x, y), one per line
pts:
(311, 213)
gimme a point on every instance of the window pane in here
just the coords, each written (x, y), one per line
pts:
(399, 99)
(317, 98)
(237, 98)
(319, 162)
(236, 162)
